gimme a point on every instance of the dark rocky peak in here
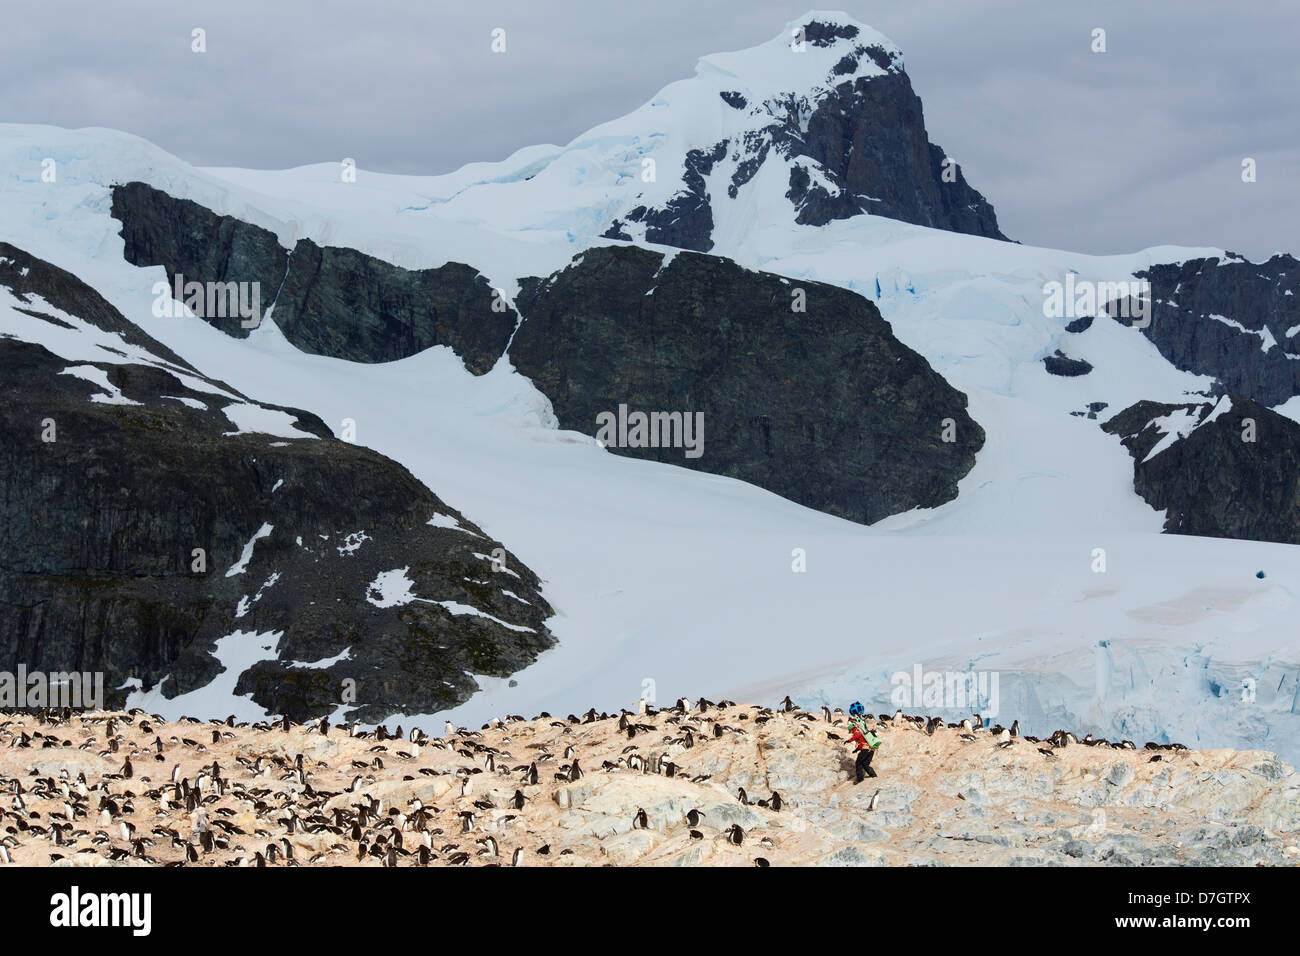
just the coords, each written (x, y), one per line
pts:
(829, 101)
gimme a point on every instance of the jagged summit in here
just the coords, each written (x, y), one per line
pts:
(817, 124)
(835, 49)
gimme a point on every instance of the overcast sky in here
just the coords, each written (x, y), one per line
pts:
(1106, 152)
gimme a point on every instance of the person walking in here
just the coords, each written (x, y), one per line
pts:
(865, 740)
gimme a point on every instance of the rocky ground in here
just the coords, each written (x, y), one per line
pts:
(709, 784)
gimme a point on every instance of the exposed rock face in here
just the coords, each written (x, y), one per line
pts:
(854, 144)
(686, 221)
(307, 542)
(824, 407)
(937, 800)
(869, 137)
(194, 242)
(1061, 364)
(328, 301)
(1213, 481)
(1253, 346)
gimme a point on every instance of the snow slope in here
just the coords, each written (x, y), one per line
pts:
(674, 582)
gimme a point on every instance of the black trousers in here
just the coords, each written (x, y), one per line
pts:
(863, 764)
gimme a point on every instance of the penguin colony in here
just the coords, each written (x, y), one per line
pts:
(131, 788)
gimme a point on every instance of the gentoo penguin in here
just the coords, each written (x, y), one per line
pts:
(787, 705)
(871, 804)
(449, 729)
(734, 834)
(979, 722)
(776, 802)
(640, 821)
(742, 796)
(693, 817)
(517, 858)
(826, 712)
(760, 861)
(931, 725)
(1015, 727)
(488, 846)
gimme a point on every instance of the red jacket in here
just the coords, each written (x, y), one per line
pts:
(857, 738)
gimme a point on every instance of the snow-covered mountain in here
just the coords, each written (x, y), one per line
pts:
(804, 161)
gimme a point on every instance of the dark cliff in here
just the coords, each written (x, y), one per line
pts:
(327, 300)
(824, 406)
(1256, 351)
(1235, 474)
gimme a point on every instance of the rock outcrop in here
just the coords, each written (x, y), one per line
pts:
(160, 527)
(801, 388)
(1232, 319)
(327, 300)
(715, 785)
(1228, 468)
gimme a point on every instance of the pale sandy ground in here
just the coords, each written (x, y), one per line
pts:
(941, 799)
